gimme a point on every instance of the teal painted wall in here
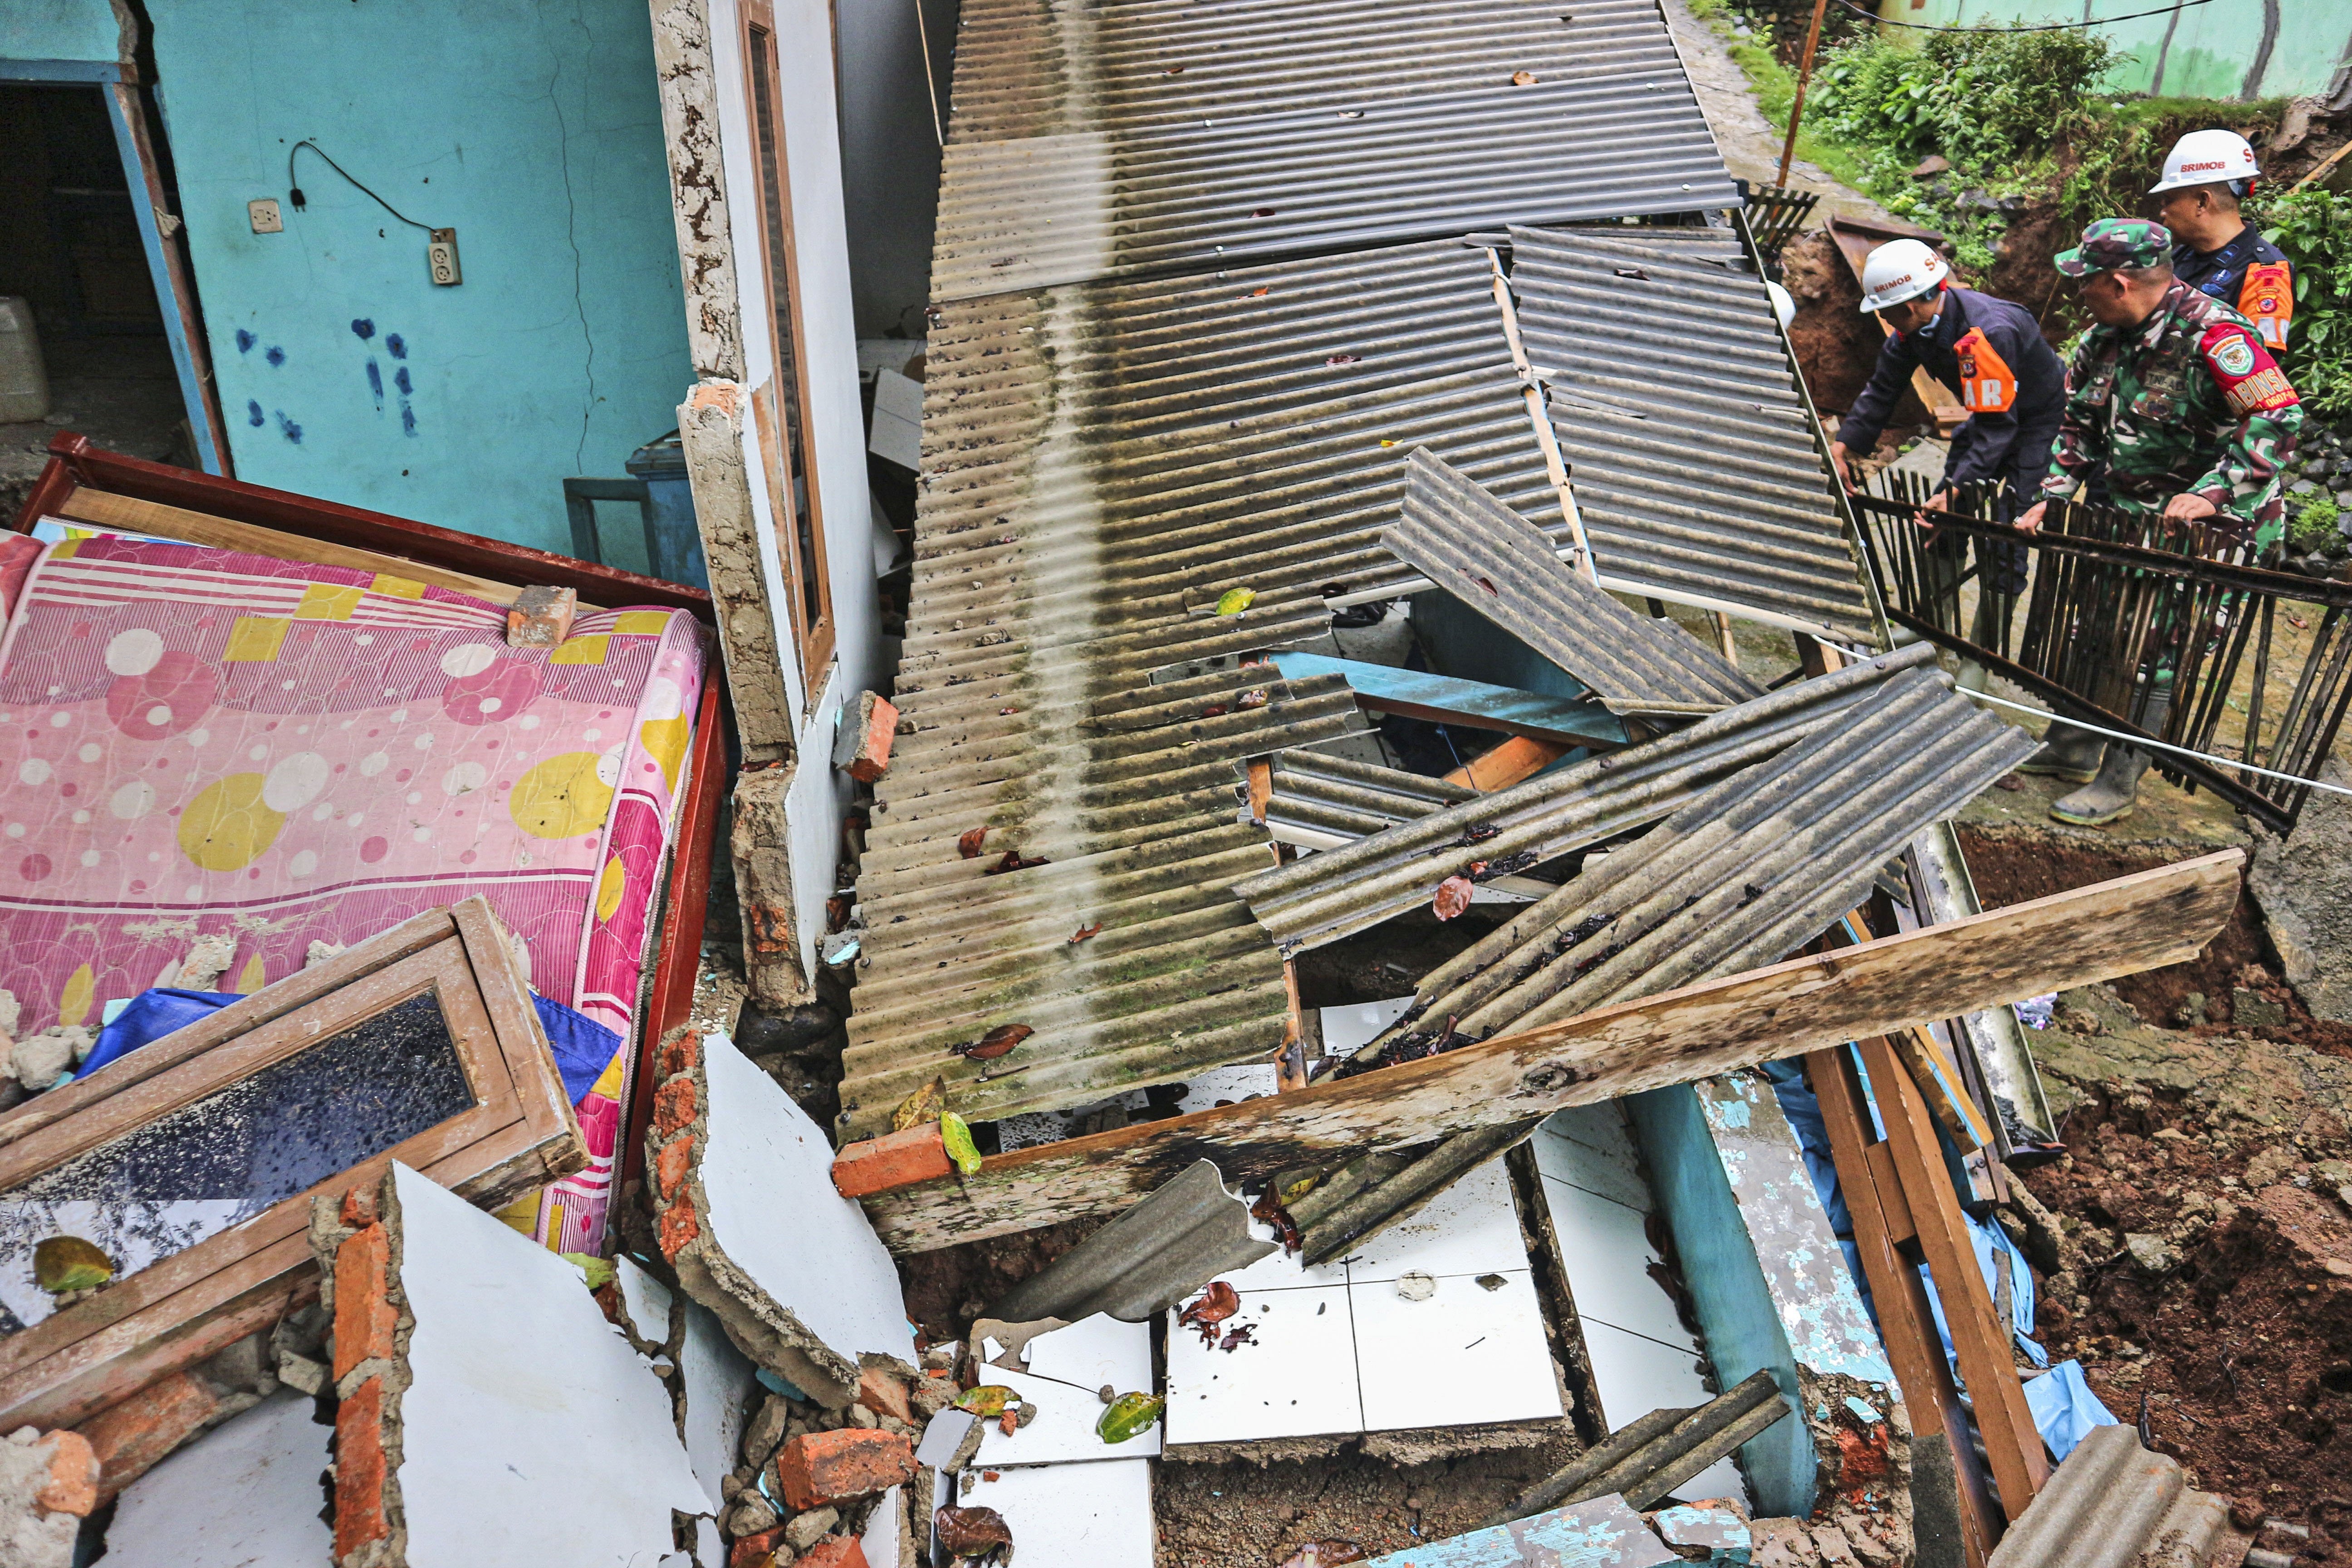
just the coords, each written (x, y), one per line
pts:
(2212, 50)
(59, 30)
(534, 131)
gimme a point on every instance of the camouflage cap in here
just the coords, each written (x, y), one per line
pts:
(2114, 242)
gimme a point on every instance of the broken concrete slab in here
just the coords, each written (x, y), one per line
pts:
(244, 1495)
(488, 1412)
(1601, 1533)
(749, 1216)
(48, 1483)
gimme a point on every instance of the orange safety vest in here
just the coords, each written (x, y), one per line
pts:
(2266, 299)
(1987, 383)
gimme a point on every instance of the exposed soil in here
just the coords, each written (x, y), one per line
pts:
(1835, 344)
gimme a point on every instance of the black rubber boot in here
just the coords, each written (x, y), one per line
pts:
(2066, 752)
(2111, 796)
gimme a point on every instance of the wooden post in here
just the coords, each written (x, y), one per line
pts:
(1804, 76)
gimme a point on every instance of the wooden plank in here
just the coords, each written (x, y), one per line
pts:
(1906, 1327)
(101, 510)
(1520, 757)
(2117, 928)
(1939, 1082)
(1979, 1340)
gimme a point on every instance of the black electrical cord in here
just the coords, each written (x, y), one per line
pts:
(294, 192)
(1869, 15)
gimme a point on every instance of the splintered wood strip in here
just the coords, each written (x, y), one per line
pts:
(1520, 758)
(2116, 928)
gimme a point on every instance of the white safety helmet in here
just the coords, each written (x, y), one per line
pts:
(1898, 270)
(1784, 304)
(2205, 158)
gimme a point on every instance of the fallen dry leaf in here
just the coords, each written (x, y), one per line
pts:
(988, 1400)
(1523, 78)
(1343, 359)
(967, 844)
(1263, 211)
(1257, 293)
(1086, 933)
(1013, 861)
(1453, 897)
(1489, 584)
(1257, 697)
(1324, 1555)
(1217, 1303)
(977, 1533)
(997, 1042)
(2009, 782)
(1009, 1422)
(923, 1106)
(1241, 1335)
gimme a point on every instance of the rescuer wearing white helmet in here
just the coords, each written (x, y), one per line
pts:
(2217, 252)
(2009, 380)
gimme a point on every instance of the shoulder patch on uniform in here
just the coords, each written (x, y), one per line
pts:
(2250, 380)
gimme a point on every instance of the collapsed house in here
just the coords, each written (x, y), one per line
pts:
(1318, 412)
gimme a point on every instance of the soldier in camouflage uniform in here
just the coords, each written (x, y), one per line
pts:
(2178, 413)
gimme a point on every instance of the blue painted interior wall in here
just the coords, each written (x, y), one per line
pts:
(535, 132)
(59, 30)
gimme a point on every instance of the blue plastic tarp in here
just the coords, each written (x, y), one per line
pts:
(2064, 1408)
(583, 1047)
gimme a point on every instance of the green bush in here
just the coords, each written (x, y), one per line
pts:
(2314, 227)
(2315, 521)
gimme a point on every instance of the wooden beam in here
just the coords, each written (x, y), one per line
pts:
(1516, 759)
(2117, 928)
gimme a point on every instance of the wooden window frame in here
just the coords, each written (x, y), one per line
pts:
(780, 413)
(518, 1134)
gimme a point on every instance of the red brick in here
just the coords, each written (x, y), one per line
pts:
(359, 1206)
(360, 1469)
(884, 1394)
(755, 1551)
(877, 722)
(835, 1551)
(73, 1476)
(364, 1314)
(674, 1106)
(130, 1436)
(820, 1467)
(678, 1226)
(683, 1053)
(893, 1160)
(670, 1167)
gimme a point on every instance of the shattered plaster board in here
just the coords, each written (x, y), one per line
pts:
(1073, 1516)
(722, 1387)
(1599, 1534)
(531, 1432)
(767, 1177)
(243, 1495)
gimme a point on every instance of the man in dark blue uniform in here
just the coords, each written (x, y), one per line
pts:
(2217, 252)
(2009, 380)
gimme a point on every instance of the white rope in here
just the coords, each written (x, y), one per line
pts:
(2142, 743)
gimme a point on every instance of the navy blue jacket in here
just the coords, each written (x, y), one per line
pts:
(1989, 445)
(2221, 273)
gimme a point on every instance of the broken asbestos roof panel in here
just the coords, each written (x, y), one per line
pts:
(749, 1219)
(1599, 1534)
(1654, 342)
(490, 1412)
(1167, 1246)
(1509, 571)
(243, 1495)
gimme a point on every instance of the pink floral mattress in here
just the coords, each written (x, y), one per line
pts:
(194, 740)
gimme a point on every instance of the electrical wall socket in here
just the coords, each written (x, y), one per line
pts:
(441, 256)
(264, 215)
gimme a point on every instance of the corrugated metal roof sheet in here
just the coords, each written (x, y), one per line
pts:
(2112, 1504)
(1323, 897)
(1509, 571)
(1110, 139)
(1695, 464)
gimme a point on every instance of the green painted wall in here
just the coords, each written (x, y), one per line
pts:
(533, 129)
(2213, 50)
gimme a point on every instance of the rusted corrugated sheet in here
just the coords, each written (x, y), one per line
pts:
(1158, 136)
(1323, 897)
(1695, 464)
(2112, 1504)
(1509, 571)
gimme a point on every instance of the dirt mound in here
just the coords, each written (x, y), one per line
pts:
(1835, 343)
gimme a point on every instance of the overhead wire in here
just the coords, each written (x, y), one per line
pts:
(2143, 742)
(1867, 13)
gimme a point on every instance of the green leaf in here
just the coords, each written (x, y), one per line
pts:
(986, 1401)
(955, 1137)
(1233, 601)
(597, 1271)
(1128, 1416)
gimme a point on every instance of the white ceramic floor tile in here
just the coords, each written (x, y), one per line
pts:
(1066, 1371)
(1073, 1516)
(1608, 1257)
(1298, 1380)
(1466, 1354)
(1204, 1091)
(1347, 1030)
(1471, 1227)
(1636, 1376)
(1589, 1146)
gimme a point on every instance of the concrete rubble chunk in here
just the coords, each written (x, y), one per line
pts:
(480, 1381)
(542, 616)
(748, 1216)
(49, 1482)
(243, 1495)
